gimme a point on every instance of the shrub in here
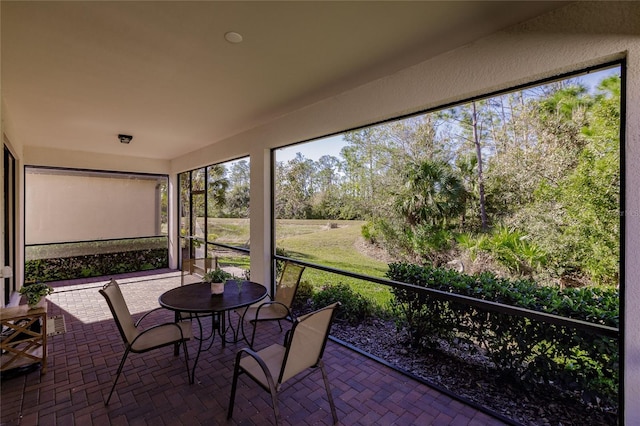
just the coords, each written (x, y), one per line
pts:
(369, 232)
(523, 348)
(510, 247)
(355, 307)
(95, 265)
(304, 295)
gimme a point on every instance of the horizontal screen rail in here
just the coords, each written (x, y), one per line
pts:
(94, 241)
(472, 301)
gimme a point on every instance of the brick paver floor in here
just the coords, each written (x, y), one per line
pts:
(154, 389)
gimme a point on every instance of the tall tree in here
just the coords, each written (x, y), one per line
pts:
(217, 185)
(362, 156)
(295, 187)
(590, 193)
(237, 204)
(326, 203)
(415, 139)
(466, 166)
(471, 131)
(476, 141)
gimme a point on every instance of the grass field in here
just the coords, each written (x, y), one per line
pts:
(327, 243)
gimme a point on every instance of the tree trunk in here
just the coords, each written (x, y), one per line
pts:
(476, 140)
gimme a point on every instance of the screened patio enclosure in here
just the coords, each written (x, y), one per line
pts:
(75, 75)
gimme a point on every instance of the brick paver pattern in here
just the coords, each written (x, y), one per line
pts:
(154, 389)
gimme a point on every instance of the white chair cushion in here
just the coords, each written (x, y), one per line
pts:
(272, 357)
(161, 335)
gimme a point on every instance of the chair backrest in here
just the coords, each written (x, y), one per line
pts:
(306, 341)
(120, 311)
(288, 283)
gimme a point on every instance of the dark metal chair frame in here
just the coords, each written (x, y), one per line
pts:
(129, 345)
(275, 302)
(274, 384)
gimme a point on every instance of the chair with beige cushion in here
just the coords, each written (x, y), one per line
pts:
(302, 350)
(138, 340)
(279, 307)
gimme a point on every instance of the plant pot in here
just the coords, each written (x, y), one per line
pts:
(217, 288)
(39, 304)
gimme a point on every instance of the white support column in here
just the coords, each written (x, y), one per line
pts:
(631, 322)
(173, 231)
(260, 215)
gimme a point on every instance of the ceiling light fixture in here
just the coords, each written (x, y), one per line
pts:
(125, 138)
(233, 37)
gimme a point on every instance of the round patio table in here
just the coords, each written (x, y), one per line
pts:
(197, 300)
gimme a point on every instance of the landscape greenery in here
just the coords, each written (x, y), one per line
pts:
(525, 184)
(528, 181)
(519, 194)
(522, 348)
(66, 261)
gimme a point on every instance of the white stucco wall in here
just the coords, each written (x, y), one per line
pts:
(79, 207)
(579, 35)
(36, 156)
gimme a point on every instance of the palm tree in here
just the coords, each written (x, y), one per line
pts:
(432, 194)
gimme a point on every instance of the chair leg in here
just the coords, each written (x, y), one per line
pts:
(329, 396)
(234, 384)
(186, 360)
(176, 347)
(124, 358)
(253, 334)
(276, 409)
(244, 334)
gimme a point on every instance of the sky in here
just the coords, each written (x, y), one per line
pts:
(313, 150)
(333, 144)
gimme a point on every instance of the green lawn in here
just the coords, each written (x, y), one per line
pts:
(229, 231)
(316, 242)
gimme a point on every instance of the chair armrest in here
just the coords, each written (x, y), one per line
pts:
(173, 324)
(246, 308)
(253, 354)
(272, 302)
(146, 314)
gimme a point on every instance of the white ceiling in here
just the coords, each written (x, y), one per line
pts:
(75, 74)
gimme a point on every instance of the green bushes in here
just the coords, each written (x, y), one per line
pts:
(525, 349)
(56, 269)
(355, 307)
(303, 295)
(509, 247)
(369, 232)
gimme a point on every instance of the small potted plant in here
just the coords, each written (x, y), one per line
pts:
(216, 278)
(35, 292)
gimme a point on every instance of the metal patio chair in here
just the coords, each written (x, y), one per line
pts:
(138, 340)
(303, 348)
(279, 307)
